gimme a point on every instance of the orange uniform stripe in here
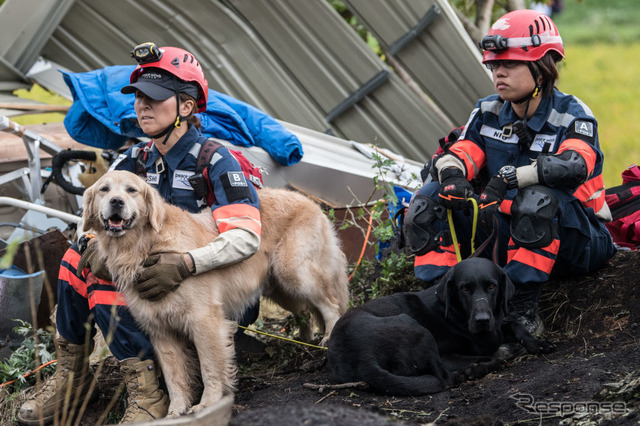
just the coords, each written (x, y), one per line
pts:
(102, 297)
(238, 216)
(505, 206)
(588, 189)
(582, 148)
(78, 285)
(437, 258)
(533, 259)
(72, 257)
(471, 155)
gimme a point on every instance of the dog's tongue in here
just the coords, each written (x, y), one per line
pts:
(116, 224)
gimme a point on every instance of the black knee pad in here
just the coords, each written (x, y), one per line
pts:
(532, 217)
(418, 224)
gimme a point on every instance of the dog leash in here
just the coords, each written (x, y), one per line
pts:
(474, 227)
(281, 338)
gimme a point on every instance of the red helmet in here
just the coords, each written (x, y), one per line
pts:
(521, 35)
(175, 61)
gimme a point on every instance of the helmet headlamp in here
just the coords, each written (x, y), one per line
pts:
(146, 52)
(494, 43)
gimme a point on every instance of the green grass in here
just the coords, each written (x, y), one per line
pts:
(599, 21)
(593, 73)
(602, 47)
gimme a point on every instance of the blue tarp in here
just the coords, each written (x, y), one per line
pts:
(102, 117)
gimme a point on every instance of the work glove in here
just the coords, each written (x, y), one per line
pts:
(490, 200)
(162, 274)
(455, 189)
(89, 259)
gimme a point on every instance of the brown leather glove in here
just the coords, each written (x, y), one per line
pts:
(163, 273)
(96, 264)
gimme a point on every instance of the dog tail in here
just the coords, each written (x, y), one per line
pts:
(383, 381)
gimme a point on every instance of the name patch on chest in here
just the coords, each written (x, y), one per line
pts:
(497, 134)
(181, 179)
(153, 178)
(543, 143)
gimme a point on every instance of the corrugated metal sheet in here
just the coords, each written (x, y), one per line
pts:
(25, 34)
(296, 60)
(427, 38)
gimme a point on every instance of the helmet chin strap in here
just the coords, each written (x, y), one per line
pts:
(520, 126)
(176, 123)
(535, 92)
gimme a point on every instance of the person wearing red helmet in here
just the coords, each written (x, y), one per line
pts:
(533, 155)
(169, 87)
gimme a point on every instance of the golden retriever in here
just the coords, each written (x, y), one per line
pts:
(299, 265)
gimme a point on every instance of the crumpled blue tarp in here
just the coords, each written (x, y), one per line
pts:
(102, 117)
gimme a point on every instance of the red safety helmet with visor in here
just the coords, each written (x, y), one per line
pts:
(521, 35)
(175, 61)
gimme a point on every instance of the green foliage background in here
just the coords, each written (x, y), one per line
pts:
(602, 46)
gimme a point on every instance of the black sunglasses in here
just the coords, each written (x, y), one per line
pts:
(508, 64)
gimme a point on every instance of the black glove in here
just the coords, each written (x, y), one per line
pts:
(90, 259)
(490, 200)
(455, 189)
(163, 273)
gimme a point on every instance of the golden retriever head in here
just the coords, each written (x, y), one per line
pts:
(120, 201)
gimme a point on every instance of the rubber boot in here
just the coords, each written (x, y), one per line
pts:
(145, 400)
(63, 393)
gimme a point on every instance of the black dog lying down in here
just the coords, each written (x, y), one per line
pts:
(417, 343)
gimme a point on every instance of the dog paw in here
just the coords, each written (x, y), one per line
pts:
(172, 415)
(457, 378)
(480, 369)
(538, 346)
(196, 408)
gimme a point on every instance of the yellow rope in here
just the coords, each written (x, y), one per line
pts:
(282, 338)
(474, 227)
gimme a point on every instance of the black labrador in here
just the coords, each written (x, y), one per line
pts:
(417, 343)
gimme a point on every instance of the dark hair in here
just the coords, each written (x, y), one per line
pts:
(191, 119)
(546, 67)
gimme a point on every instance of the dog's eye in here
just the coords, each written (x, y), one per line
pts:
(464, 288)
(491, 286)
(131, 189)
(104, 188)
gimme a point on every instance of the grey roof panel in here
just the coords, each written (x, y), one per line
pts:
(441, 57)
(297, 60)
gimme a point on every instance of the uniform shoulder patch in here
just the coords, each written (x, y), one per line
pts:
(237, 179)
(584, 128)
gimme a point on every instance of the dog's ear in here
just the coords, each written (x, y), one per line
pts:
(507, 290)
(155, 207)
(90, 216)
(446, 290)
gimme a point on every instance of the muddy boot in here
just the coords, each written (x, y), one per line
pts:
(524, 304)
(145, 400)
(63, 393)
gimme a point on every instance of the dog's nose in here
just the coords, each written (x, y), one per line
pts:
(116, 202)
(483, 319)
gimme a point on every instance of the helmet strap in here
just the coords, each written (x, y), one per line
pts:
(536, 90)
(178, 120)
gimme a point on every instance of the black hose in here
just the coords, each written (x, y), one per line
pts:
(60, 159)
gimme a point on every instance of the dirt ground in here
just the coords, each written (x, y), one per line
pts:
(594, 322)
